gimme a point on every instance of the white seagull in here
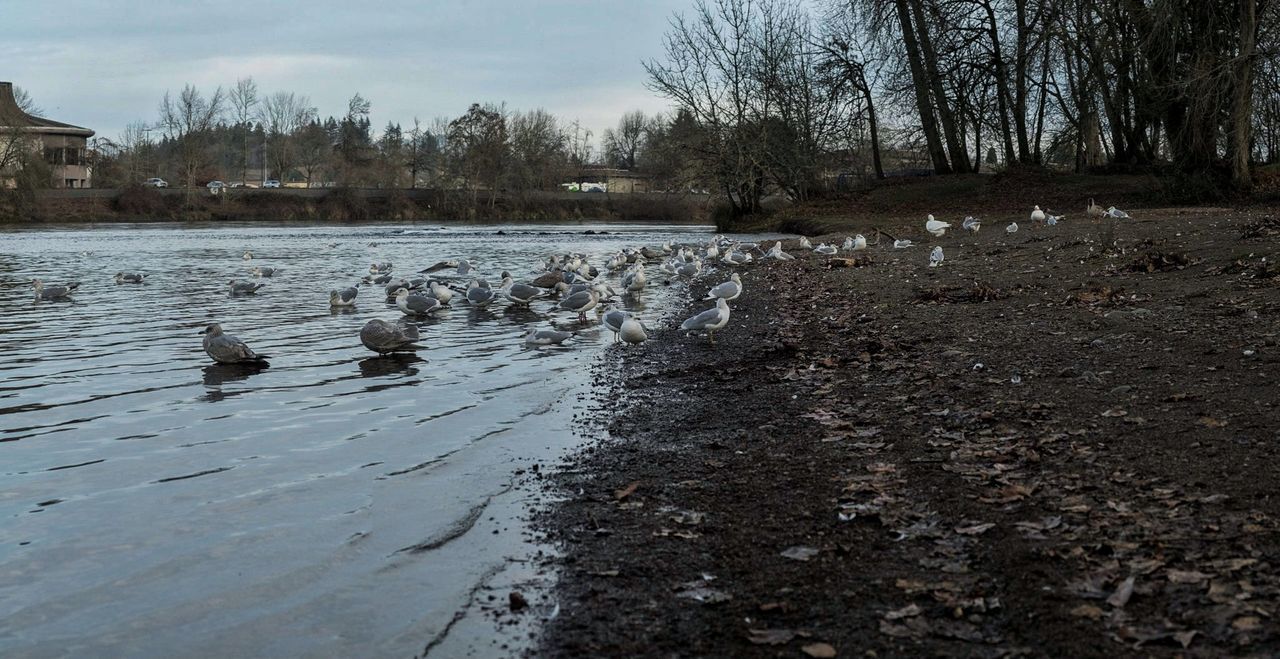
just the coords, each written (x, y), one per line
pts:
(936, 227)
(935, 257)
(1037, 215)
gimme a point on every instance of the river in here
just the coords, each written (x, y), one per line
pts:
(335, 504)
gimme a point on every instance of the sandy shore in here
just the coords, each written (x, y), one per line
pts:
(1039, 447)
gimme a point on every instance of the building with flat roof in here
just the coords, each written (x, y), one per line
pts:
(63, 146)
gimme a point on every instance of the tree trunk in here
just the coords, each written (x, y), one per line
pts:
(1240, 145)
(921, 84)
(1002, 81)
(955, 148)
(1020, 79)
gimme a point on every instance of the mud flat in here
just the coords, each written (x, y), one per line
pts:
(1042, 447)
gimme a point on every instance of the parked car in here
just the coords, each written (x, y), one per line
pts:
(271, 183)
(155, 183)
(216, 187)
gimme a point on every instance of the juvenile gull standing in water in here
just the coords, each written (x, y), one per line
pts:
(227, 349)
(709, 320)
(479, 294)
(383, 337)
(518, 293)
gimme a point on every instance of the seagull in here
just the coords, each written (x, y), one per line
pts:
(581, 302)
(1094, 210)
(383, 337)
(613, 320)
(415, 304)
(728, 291)
(1116, 213)
(129, 277)
(442, 265)
(634, 280)
(379, 268)
(691, 269)
(380, 279)
(53, 292)
(264, 271)
(227, 349)
(902, 243)
(518, 293)
(936, 227)
(825, 249)
(546, 337)
(1012, 228)
(247, 256)
(343, 298)
(479, 294)
(1037, 215)
(1052, 220)
(774, 252)
(464, 266)
(972, 223)
(633, 331)
(440, 291)
(859, 242)
(709, 320)
(244, 287)
(935, 257)
(804, 242)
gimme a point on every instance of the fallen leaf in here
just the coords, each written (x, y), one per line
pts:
(800, 553)
(627, 491)
(976, 529)
(908, 611)
(1210, 422)
(1121, 597)
(1246, 623)
(1186, 576)
(1087, 611)
(770, 636)
(819, 650)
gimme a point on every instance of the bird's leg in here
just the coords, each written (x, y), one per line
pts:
(711, 336)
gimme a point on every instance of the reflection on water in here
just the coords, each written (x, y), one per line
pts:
(248, 510)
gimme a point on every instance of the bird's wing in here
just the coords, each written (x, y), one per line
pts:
(700, 321)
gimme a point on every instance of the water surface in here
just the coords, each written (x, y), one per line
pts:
(336, 503)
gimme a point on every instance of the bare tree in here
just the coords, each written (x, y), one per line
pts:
(622, 144)
(244, 101)
(282, 115)
(187, 121)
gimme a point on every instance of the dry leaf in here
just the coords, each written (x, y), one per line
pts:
(1210, 422)
(1121, 597)
(1087, 611)
(819, 650)
(627, 491)
(1246, 623)
(1186, 576)
(770, 636)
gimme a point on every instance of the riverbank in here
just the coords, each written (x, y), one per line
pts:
(340, 205)
(1039, 447)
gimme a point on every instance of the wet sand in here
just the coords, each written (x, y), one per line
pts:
(1037, 448)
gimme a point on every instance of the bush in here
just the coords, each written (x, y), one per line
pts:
(141, 201)
(344, 205)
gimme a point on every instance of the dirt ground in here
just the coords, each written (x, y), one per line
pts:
(1042, 447)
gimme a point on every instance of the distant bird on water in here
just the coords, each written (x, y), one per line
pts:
(129, 277)
(343, 298)
(264, 271)
(247, 256)
(227, 349)
(244, 287)
(414, 304)
(383, 337)
(53, 292)
(546, 337)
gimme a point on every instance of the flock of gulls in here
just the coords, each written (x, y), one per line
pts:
(569, 281)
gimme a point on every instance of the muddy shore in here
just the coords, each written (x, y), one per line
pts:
(1042, 447)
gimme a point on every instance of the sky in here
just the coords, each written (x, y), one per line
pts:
(102, 64)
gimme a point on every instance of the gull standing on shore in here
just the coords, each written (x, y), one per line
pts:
(709, 320)
(633, 331)
(972, 223)
(936, 227)
(935, 257)
(227, 349)
(776, 252)
(1012, 228)
(1037, 215)
(383, 337)
(727, 291)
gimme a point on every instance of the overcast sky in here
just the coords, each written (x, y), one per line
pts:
(104, 63)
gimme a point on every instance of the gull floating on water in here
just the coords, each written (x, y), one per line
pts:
(902, 243)
(936, 227)
(1012, 228)
(518, 293)
(244, 287)
(264, 271)
(53, 292)
(129, 277)
(413, 304)
(247, 255)
(343, 298)
(380, 268)
(727, 291)
(709, 320)
(1037, 215)
(440, 291)
(380, 279)
(479, 294)
(935, 257)
(442, 265)
(227, 349)
(546, 337)
(383, 337)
